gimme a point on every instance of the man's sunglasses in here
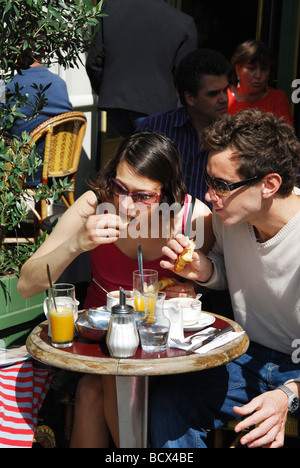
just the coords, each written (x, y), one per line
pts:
(147, 198)
(221, 188)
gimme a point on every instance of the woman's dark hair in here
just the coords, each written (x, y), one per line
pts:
(151, 155)
(252, 51)
(262, 143)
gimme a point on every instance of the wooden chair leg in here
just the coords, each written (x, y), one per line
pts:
(218, 438)
(236, 441)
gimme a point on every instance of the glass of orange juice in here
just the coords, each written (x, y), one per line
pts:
(150, 283)
(61, 309)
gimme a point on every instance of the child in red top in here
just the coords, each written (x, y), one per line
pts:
(252, 65)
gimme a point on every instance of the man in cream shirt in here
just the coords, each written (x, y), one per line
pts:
(251, 171)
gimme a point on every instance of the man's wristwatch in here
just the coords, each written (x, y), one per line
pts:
(293, 399)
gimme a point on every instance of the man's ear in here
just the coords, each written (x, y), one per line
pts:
(189, 98)
(271, 184)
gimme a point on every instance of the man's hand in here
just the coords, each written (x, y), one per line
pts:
(269, 410)
(200, 269)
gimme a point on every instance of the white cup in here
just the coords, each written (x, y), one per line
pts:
(113, 298)
(191, 309)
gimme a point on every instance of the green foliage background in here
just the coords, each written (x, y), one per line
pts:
(59, 31)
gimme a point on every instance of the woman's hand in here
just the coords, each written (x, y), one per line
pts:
(200, 269)
(100, 229)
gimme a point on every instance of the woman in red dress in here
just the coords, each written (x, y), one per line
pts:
(126, 207)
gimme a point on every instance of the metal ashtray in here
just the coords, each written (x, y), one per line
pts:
(93, 323)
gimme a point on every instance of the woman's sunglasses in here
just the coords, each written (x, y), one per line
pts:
(221, 188)
(147, 198)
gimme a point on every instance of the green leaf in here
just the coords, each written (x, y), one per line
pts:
(62, 30)
(55, 13)
(7, 8)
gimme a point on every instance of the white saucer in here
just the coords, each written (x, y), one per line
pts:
(204, 321)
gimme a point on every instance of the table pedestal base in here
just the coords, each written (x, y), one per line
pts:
(132, 395)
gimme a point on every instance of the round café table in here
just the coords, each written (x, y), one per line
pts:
(132, 373)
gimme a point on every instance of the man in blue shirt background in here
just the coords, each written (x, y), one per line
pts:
(202, 82)
(56, 102)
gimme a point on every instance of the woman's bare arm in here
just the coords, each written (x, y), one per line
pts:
(78, 230)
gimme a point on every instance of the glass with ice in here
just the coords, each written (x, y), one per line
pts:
(154, 331)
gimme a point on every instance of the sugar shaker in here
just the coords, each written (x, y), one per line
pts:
(122, 337)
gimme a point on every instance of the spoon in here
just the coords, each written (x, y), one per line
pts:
(51, 287)
(140, 262)
(98, 284)
(193, 304)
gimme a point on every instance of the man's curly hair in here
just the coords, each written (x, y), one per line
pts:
(263, 144)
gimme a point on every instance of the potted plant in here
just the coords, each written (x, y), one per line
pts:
(63, 30)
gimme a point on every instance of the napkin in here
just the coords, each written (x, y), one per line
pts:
(220, 341)
(11, 356)
(216, 343)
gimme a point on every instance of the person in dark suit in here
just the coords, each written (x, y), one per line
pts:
(135, 52)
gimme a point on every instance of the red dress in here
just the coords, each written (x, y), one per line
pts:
(276, 102)
(112, 268)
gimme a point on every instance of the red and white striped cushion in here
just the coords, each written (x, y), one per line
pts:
(22, 391)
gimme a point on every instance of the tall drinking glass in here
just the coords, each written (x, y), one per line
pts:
(61, 310)
(149, 279)
(154, 331)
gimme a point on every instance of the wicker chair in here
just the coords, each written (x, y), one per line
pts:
(64, 135)
(44, 437)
